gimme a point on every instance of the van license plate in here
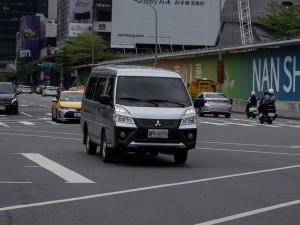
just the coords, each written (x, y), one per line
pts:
(2, 107)
(270, 114)
(158, 133)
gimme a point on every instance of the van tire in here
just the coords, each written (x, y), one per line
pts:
(90, 146)
(107, 153)
(180, 157)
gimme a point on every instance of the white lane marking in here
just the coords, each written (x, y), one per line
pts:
(240, 124)
(15, 182)
(61, 171)
(267, 125)
(45, 106)
(245, 120)
(220, 124)
(26, 114)
(250, 213)
(144, 188)
(30, 135)
(27, 123)
(52, 122)
(292, 121)
(295, 146)
(44, 118)
(49, 114)
(286, 125)
(233, 143)
(3, 124)
(47, 132)
(247, 151)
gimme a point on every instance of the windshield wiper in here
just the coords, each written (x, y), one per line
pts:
(166, 101)
(142, 100)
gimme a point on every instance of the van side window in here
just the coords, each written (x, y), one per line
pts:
(99, 88)
(90, 89)
(110, 88)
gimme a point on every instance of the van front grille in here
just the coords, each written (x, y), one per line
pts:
(157, 123)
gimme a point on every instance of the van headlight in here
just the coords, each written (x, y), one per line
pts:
(191, 119)
(188, 121)
(14, 101)
(121, 118)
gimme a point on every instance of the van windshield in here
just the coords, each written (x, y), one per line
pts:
(152, 92)
(6, 88)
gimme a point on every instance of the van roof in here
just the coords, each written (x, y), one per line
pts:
(130, 70)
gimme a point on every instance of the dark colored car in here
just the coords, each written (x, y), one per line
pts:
(8, 98)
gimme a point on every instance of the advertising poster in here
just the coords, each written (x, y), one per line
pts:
(189, 22)
(81, 16)
(30, 37)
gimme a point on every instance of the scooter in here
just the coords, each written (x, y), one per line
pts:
(252, 112)
(268, 114)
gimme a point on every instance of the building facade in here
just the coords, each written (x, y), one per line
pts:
(10, 13)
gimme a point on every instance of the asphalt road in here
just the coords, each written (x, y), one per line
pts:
(241, 172)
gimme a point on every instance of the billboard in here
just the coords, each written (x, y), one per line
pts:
(178, 22)
(277, 68)
(81, 16)
(30, 37)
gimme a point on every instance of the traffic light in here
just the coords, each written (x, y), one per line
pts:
(220, 72)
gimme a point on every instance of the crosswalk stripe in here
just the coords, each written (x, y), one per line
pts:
(3, 124)
(68, 175)
(26, 123)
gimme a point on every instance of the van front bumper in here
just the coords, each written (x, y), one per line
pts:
(138, 137)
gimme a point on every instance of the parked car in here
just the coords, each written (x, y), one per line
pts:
(67, 106)
(8, 98)
(49, 91)
(214, 103)
(26, 89)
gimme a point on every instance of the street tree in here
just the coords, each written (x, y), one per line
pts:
(281, 21)
(85, 48)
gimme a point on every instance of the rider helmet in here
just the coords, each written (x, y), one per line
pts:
(271, 91)
(253, 93)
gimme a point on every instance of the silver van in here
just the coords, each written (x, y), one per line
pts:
(137, 109)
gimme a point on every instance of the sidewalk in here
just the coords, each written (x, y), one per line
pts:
(239, 106)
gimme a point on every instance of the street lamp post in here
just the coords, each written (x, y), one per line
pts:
(93, 40)
(155, 55)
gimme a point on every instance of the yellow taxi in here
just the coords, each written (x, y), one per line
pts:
(67, 105)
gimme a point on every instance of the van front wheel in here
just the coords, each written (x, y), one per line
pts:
(180, 157)
(107, 153)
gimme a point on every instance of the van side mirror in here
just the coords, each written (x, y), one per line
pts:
(198, 102)
(105, 99)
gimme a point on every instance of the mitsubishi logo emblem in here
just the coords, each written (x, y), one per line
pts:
(157, 124)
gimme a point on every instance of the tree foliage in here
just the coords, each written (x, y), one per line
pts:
(79, 50)
(280, 21)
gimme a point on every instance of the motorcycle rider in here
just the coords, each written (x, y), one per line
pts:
(252, 101)
(269, 96)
